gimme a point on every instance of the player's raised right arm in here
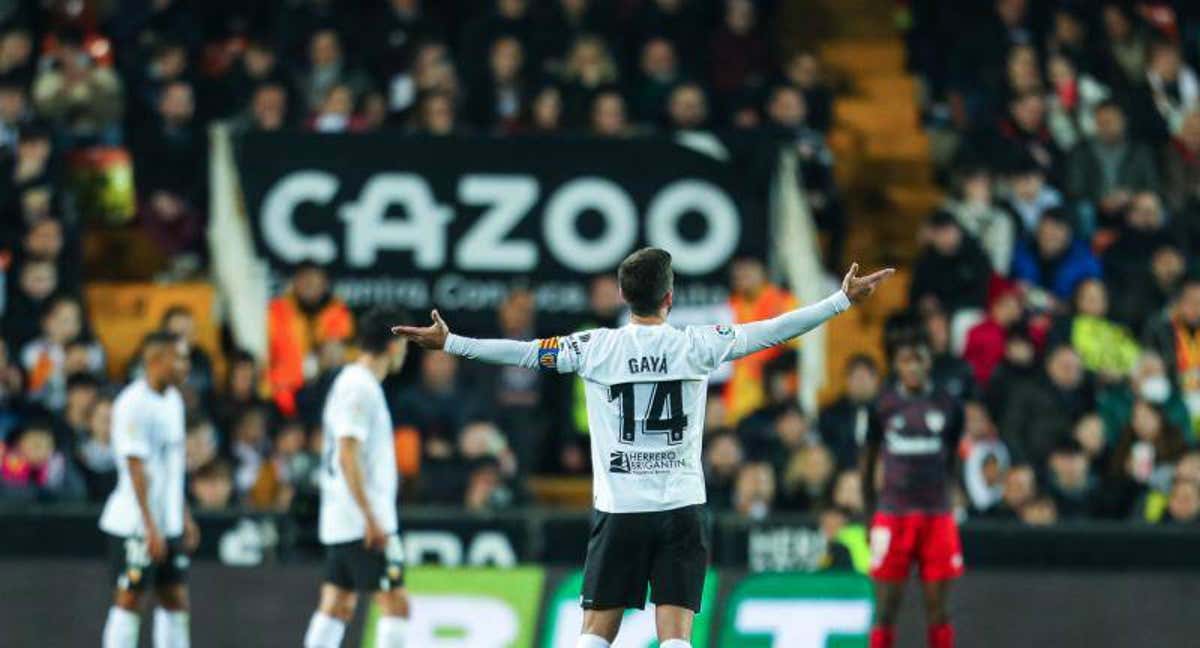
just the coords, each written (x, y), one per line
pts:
(438, 336)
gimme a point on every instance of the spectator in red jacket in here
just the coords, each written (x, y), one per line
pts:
(985, 341)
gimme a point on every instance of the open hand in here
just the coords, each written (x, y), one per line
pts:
(428, 337)
(859, 288)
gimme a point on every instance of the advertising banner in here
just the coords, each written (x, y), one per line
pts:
(454, 222)
(463, 608)
(789, 610)
(564, 617)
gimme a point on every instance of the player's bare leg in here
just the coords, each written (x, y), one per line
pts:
(937, 614)
(121, 627)
(171, 617)
(674, 625)
(600, 627)
(328, 623)
(888, 597)
(392, 628)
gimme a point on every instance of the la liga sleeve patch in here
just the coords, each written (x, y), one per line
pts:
(547, 355)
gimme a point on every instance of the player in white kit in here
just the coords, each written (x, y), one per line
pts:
(359, 485)
(646, 386)
(150, 529)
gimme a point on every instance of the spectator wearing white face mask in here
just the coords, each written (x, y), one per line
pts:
(1148, 381)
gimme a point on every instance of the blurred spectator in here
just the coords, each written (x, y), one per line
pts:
(738, 50)
(1071, 485)
(198, 388)
(437, 115)
(1143, 457)
(438, 405)
(14, 114)
(298, 321)
(36, 283)
(170, 163)
(516, 393)
(94, 452)
(327, 67)
(16, 55)
(843, 425)
(35, 190)
(679, 21)
(11, 391)
(754, 491)
(1021, 133)
(1104, 346)
(495, 101)
(1170, 92)
(752, 298)
(806, 479)
(1175, 335)
(722, 458)
(45, 240)
(803, 71)
(1029, 196)
(563, 21)
(1181, 170)
(848, 492)
(1128, 266)
(71, 426)
(951, 272)
(544, 111)
(1055, 262)
(1126, 42)
(1183, 503)
(608, 115)
(338, 113)
(787, 114)
(211, 487)
(33, 469)
(984, 475)
(1148, 381)
(1107, 169)
(658, 74)
(972, 205)
(202, 444)
(589, 67)
(248, 447)
(1040, 511)
(239, 391)
(393, 33)
(949, 372)
(258, 67)
(81, 97)
(1073, 101)
(687, 108)
(288, 465)
(1089, 432)
(1039, 414)
(508, 18)
(1020, 489)
(47, 358)
(267, 112)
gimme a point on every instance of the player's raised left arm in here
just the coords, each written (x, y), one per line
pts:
(438, 336)
(763, 334)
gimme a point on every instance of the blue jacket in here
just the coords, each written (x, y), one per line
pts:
(1078, 264)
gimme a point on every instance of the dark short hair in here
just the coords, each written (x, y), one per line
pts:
(645, 278)
(175, 310)
(375, 328)
(906, 338)
(159, 338)
(862, 361)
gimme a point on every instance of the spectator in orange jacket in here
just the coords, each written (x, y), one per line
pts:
(298, 321)
(753, 298)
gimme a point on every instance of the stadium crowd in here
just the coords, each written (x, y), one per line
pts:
(1054, 286)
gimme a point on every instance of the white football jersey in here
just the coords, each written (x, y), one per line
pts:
(148, 425)
(646, 389)
(356, 407)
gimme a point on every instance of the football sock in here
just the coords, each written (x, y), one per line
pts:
(591, 641)
(170, 628)
(121, 628)
(883, 637)
(941, 636)
(675, 643)
(390, 632)
(324, 631)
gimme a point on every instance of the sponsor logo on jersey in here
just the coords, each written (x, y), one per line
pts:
(935, 420)
(724, 330)
(548, 353)
(623, 462)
